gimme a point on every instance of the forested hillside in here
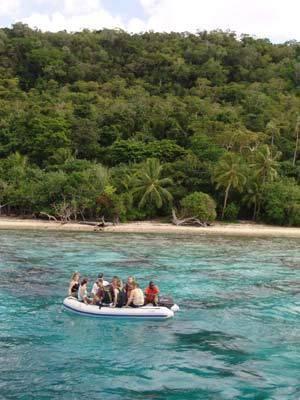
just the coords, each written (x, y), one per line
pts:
(129, 126)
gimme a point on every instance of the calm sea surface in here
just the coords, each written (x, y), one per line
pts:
(237, 335)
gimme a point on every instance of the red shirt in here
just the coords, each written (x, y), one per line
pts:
(151, 293)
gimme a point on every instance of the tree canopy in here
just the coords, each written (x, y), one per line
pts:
(84, 115)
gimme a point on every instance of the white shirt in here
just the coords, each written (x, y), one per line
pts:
(96, 287)
(137, 297)
(81, 293)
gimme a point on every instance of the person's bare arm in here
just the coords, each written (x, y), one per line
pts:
(115, 297)
(70, 288)
(129, 301)
(156, 297)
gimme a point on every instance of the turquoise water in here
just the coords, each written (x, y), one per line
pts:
(237, 336)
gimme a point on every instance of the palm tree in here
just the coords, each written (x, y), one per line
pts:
(265, 164)
(273, 130)
(297, 130)
(101, 176)
(149, 187)
(229, 173)
(253, 197)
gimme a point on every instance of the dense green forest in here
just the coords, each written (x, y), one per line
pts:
(130, 126)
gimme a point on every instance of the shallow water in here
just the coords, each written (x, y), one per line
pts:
(237, 336)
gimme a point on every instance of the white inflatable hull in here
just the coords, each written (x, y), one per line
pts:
(146, 312)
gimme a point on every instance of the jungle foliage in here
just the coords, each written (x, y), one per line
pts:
(131, 125)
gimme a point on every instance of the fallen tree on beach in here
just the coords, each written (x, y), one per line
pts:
(98, 224)
(64, 219)
(197, 209)
(192, 221)
(49, 216)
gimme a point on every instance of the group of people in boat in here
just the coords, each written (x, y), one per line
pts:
(114, 293)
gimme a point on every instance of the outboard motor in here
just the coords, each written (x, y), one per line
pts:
(166, 301)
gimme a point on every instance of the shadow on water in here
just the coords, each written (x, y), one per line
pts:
(131, 262)
(291, 287)
(216, 342)
(29, 281)
(33, 340)
(236, 337)
(19, 275)
(165, 393)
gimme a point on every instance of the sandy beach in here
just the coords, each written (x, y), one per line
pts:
(238, 229)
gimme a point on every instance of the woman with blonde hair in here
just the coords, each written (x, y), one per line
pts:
(118, 293)
(74, 284)
(129, 286)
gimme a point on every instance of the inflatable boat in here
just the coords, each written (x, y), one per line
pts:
(145, 312)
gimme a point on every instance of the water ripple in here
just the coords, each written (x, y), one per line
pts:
(237, 336)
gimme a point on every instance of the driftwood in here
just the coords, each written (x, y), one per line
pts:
(65, 217)
(63, 212)
(187, 221)
(100, 224)
(50, 217)
(91, 223)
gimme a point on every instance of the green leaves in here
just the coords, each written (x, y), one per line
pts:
(265, 164)
(199, 205)
(149, 187)
(281, 202)
(133, 151)
(219, 114)
(230, 173)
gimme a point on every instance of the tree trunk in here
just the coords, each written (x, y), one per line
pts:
(258, 208)
(187, 221)
(226, 198)
(2, 206)
(50, 217)
(296, 148)
(81, 212)
(254, 211)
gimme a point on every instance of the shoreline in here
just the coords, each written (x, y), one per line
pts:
(225, 229)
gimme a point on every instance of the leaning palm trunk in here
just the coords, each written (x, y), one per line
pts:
(225, 199)
(254, 211)
(187, 221)
(296, 149)
(258, 209)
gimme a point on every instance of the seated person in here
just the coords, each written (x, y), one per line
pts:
(82, 292)
(74, 285)
(105, 283)
(99, 295)
(128, 286)
(95, 285)
(118, 293)
(151, 293)
(136, 298)
(107, 295)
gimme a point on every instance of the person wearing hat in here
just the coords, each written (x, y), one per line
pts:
(151, 293)
(96, 286)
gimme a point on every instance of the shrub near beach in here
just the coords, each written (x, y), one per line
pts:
(199, 205)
